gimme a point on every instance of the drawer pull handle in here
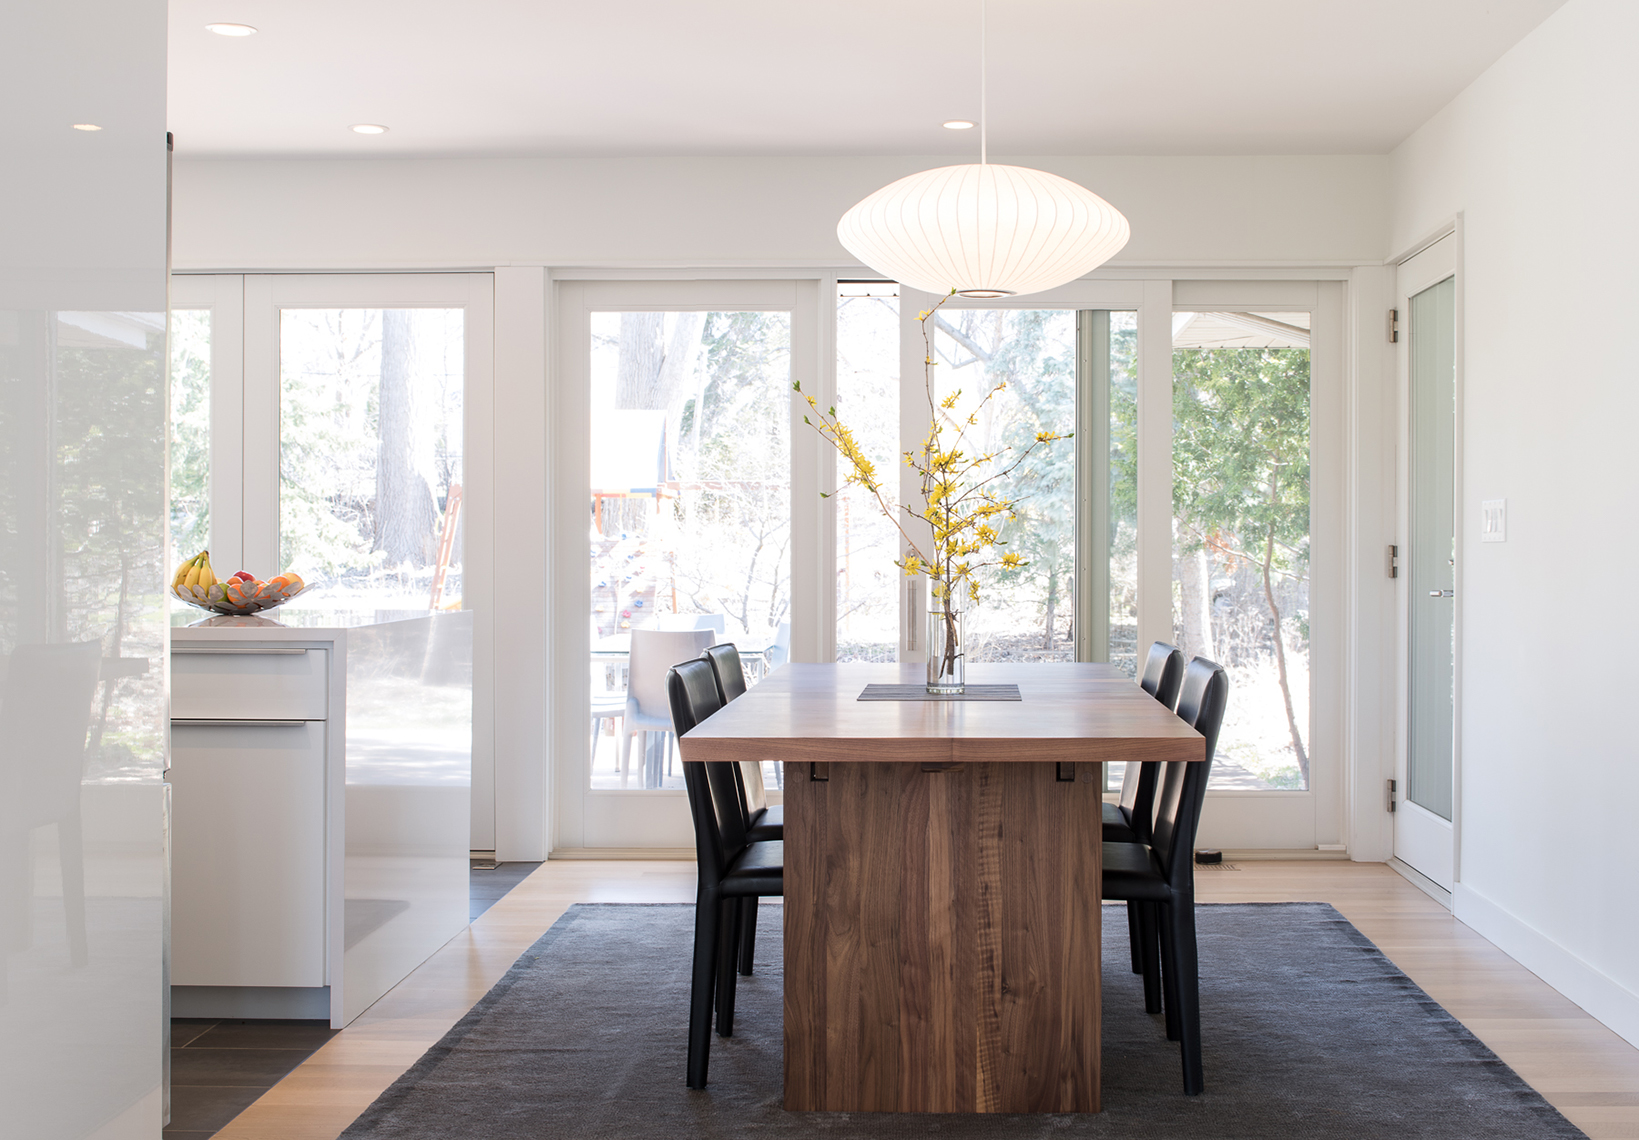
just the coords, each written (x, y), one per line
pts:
(199, 722)
(175, 649)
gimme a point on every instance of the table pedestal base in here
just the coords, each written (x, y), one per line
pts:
(942, 937)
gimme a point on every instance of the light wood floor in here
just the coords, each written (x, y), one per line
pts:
(1586, 1071)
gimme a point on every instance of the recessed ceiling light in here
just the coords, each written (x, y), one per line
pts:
(369, 128)
(958, 125)
(86, 127)
(231, 29)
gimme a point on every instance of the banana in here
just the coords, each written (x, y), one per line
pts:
(182, 570)
(207, 576)
(193, 576)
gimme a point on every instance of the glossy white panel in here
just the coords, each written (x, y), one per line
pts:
(409, 786)
(82, 540)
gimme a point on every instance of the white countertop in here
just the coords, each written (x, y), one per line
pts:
(287, 623)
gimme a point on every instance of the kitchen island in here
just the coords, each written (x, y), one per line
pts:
(321, 777)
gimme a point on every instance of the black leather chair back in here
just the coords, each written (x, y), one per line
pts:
(714, 801)
(725, 665)
(1183, 787)
(1163, 673)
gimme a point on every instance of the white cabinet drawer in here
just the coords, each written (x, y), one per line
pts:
(248, 855)
(219, 684)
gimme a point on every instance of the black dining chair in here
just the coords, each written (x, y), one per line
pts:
(1130, 818)
(762, 819)
(732, 868)
(1160, 875)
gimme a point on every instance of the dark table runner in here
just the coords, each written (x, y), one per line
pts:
(920, 693)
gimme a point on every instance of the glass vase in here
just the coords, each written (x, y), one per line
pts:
(947, 651)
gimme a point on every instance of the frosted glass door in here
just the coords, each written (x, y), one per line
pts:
(1432, 549)
(1425, 799)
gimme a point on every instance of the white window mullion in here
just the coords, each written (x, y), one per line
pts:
(1155, 465)
(913, 432)
(813, 470)
(259, 439)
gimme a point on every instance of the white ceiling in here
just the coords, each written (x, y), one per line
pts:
(855, 77)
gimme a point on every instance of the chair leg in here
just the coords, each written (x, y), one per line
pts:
(727, 949)
(71, 854)
(625, 756)
(654, 751)
(1135, 939)
(748, 934)
(1183, 964)
(1169, 969)
(1149, 947)
(707, 917)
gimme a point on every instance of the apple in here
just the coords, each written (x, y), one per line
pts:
(244, 577)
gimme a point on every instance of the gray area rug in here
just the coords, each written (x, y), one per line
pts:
(1309, 1032)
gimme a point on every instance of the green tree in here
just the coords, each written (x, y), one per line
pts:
(1042, 531)
(1241, 471)
(190, 432)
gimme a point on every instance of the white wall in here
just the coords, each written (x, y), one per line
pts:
(269, 213)
(1540, 156)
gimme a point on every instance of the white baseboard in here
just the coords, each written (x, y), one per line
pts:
(1605, 999)
(1285, 854)
(667, 854)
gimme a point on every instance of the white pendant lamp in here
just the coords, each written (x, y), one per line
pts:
(983, 230)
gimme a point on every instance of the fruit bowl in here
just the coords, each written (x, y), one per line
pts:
(244, 597)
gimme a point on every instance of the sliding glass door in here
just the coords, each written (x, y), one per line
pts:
(686, 512)
(691, 504)
(1241, 532)
(690, 479)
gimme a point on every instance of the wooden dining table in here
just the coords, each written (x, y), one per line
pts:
(942, 866)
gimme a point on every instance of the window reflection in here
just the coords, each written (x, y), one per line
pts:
(82, 735)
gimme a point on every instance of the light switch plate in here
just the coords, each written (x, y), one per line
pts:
(1494, 520)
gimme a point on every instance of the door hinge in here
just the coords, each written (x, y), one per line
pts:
(1391, 797)
(1394, 562)
(1394, 326)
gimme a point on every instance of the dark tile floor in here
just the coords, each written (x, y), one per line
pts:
(219, 1067)
(488, 887)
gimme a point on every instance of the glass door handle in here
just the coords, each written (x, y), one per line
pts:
(1442, 593)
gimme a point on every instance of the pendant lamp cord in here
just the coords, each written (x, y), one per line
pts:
(984, 110)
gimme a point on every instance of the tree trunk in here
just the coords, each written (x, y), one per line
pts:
(1280, 662)
(650, 375)
(1052, 605)
(1195, 605)
(406, 516)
